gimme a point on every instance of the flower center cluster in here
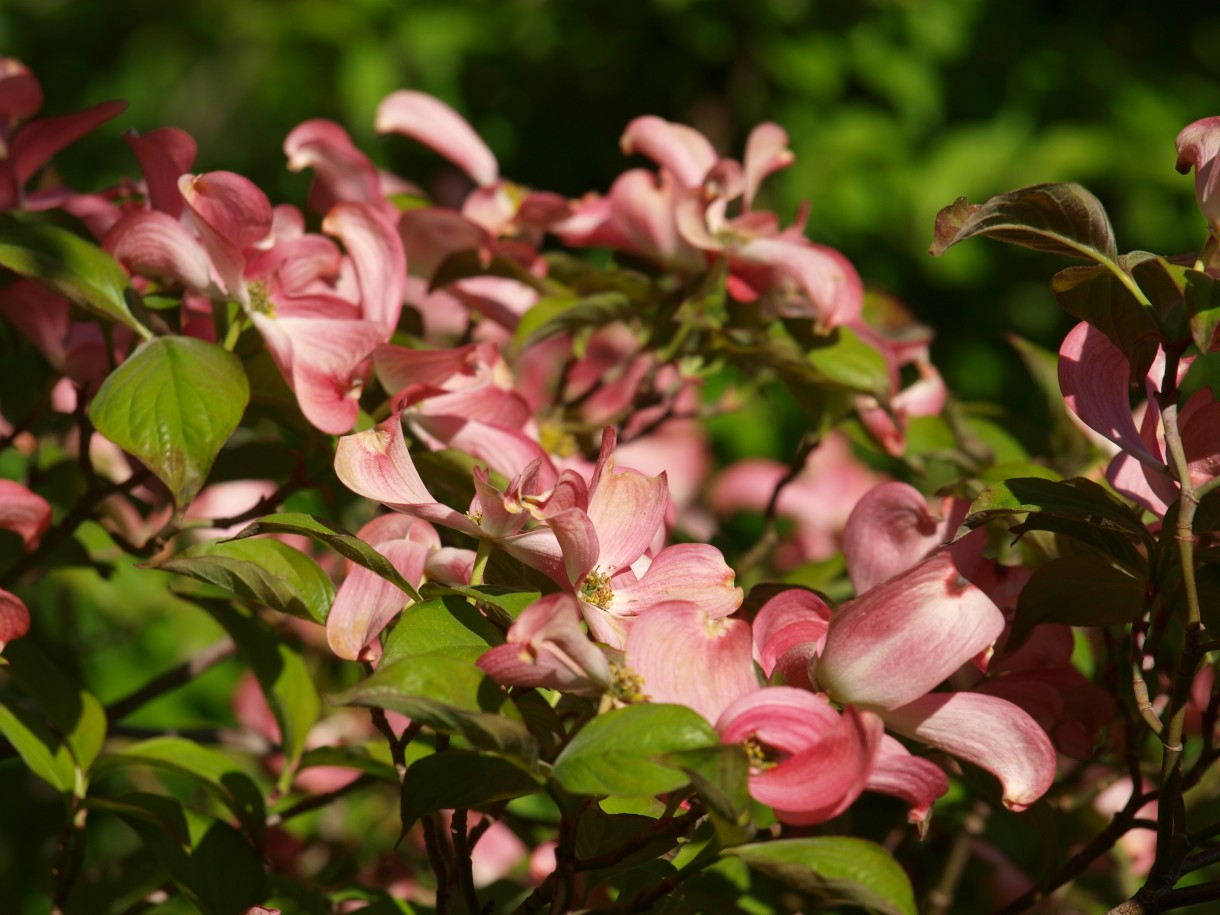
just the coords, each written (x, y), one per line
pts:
(596, 589)
(260, 298)
(625, 684)
(557, 441)
(760, 755)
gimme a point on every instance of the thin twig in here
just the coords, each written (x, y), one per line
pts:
(940, 900)
(208, 658)
(436, 857)
(461, 852)
(313, 802)
(768, 539)
(71, 856)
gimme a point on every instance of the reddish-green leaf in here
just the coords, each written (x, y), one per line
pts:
(1058, 218)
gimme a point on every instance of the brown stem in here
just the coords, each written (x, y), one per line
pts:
(940, 900)
(1076, 865)
(71, 856)
(1152, 903)
(436, 857)
(1172, 841)
(538, 898)
(671, 826)
(565, 866)
(461, 852)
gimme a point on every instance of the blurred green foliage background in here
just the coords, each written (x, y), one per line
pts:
(895, 108)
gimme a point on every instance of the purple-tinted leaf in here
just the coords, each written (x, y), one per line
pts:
(1057, 218)
(1096, 295)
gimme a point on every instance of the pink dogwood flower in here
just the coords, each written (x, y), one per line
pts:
(603, 531)
(27, 145)
(1093, 376)
(889, 648)
(320, 324)
(809, 762)
(366, 602)
(463, 398)
(377, 464)
(28, 515)
(1199, 148)
(547, 648)
(716, 669)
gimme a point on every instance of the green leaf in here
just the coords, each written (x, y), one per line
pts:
(599, 833)
(359, 758)
(1058, 218)
(1202, 307)
(69, 265)
(215, 772)
(173, 404)
(228, 873)
(505, 601)
(1084, 590)
(1077, 498)
(448, 695)
(43, 753)
(461, 778)
(841, 870)
(268, 572)
(1066, 439)
(624, 752)
(76, 716)
(1110, 544)
(282, 675)
(1163, 283)
(721, 777)
(557, 315)
(846, 361)
(209, 860)
(446, 626)
(1204, 372)
(1096, 295)
(341, 541)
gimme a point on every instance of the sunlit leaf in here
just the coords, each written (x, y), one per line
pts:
(624, 752)
(839, 869)
(69, 265)
(335, 537)
(268, 572)
(450, 627)
(173, 404)
(448, 695)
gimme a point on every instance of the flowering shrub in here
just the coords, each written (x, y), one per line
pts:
(585, 692)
